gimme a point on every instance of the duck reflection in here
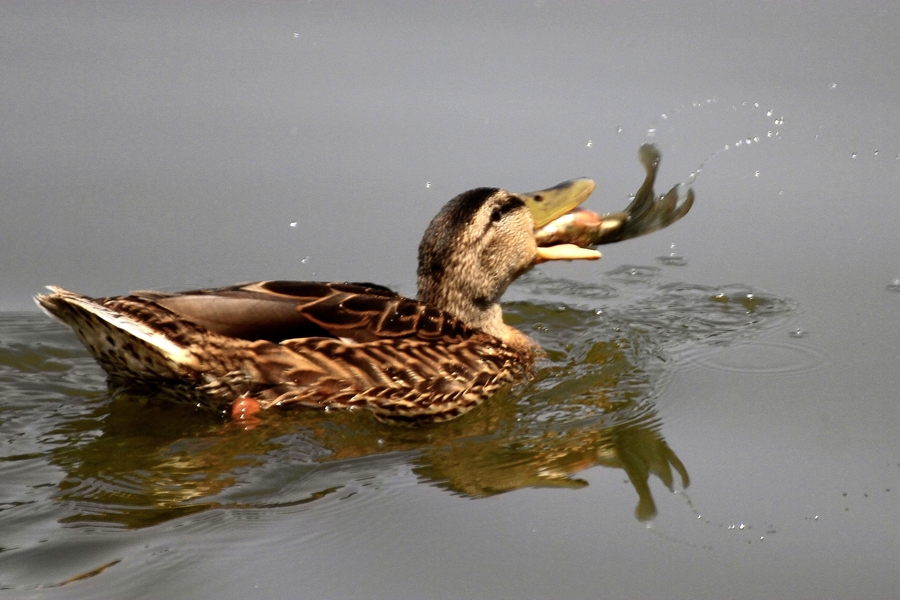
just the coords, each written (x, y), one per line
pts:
(485, 467)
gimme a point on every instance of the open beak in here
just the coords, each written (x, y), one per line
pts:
(553, 203)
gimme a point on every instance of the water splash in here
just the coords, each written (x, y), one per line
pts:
(765, 117)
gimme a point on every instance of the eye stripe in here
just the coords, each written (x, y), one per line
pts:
(508, 206)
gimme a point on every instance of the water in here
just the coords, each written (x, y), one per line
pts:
(716, 421)
(610, 435)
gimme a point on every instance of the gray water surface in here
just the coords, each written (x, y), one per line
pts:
(717, 416)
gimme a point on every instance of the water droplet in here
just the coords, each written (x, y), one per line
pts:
(304, 260)
(853, 155)
(293, 223)
(769, 113)
(296, 35)
(894, 286)
(664, 116)
(756, 105)
(619, 130)
(756, 173)
(833, 86)
(427, 184)
(779, 121)
(747, 141)
(651, 131)
(798, 333)
(590, 143)
(742, 526)
(876, 152)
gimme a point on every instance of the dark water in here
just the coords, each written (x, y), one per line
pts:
(718, 415)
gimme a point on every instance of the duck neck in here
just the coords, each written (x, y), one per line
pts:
(479, 313)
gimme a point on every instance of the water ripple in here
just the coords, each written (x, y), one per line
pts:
(765, 356)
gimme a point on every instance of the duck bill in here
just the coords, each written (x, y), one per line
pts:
(553, 203)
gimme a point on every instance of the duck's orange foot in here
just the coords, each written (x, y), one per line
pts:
(244, 409)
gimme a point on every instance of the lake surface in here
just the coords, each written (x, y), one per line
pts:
(717, 415)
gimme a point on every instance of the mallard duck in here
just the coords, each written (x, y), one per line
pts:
(358, 345)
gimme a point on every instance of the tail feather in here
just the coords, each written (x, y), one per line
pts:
(119, 342)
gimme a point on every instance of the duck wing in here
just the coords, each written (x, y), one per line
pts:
(282, 310)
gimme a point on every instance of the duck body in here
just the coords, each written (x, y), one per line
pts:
(359, 345)
(284, 343)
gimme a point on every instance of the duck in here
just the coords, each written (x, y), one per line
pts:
(256, 346)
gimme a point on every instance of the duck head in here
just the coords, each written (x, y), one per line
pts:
(482, 240)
